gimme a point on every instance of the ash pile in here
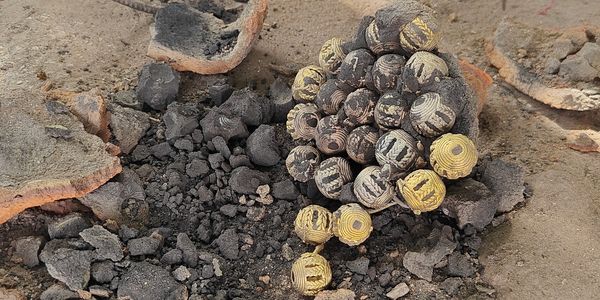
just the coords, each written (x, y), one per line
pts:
(206, 209)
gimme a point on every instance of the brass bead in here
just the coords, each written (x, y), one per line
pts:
(314, 224)
(361, 144)
(311, 273)
(453, 155)
(331, 55)
(355, 69)
(422, 70)
(332, 174)
(420, 34)
(352, 224)
(423, 190)
(302, 162)
(302, 121)
(359, 107)
(390, 111)
(430, 117)
(330, 98)
(371, 189)
(386, 72)
(397, 152)
(307, 83)
(330, 136)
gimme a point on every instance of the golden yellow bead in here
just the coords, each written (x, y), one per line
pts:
(352, 224)
(314, 224)
(331, 55)
(423, 190)
(421, 34)
(307, 83)
(311, 274)
(453, 156)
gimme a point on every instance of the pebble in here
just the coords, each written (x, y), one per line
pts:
(281, 96)
(128, 126)
(69, 266)
(197, 168)
(215, 160)
(27, 250)
(207, 271)
(265, 279)
(228, 243)
(339, 294)
(221, 146)
(188, 250)
(103, 271)
(143, 246)
(99, 291)
(68, 227)
(146, 281)
(240, 160)
(220, 93)
(245, 181)
(287, 252)
(359, 265)
(162, 150)
(398, 291)
(285, 190)
(262, 148)
(217, 267)
(451, 285)
(229, 210)
(107, 244)
(58, 292)
(183, 144)
(158, 96)
(181, 273)
(256, 213)
(172, 257)
(460, 265)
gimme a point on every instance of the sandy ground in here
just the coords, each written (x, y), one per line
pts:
(548, 249)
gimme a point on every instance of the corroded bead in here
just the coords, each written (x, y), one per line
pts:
(302, 121)
(371, 189)
(453, 155)
(430, 117)
(314, 224)
(361, 144)
(352, 224)
(359, 107)
(330, 136)
(302, 162)
(420, 34)
(331, 176)
(331, 55)
(355, 69)
(390, 111)
(422, 70)
(423, 190)
(311, 273)
(381, 42)
(307, 83)
(330, 98)
(386, 72)
(397, 153)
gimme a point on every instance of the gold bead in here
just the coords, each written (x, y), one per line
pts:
(421, 34)
(423, 190)
(314, 224)
(332, 174)
(371, 189)
(352, 224)
(302, 162)
(311, 273)
(307, 83)
(331, 55)
(453, 156)
(302, 121)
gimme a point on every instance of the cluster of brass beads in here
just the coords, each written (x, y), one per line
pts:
(367, 110)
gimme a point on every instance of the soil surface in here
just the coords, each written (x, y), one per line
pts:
(548, 249)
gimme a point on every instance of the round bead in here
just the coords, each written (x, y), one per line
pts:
(307, 83)
(423, 190)
(396, 152)
(332, 174)
(314, 224)
(361, 144)
(330, 98)
(330, 136)
(421, 34)
(352, 224)
(331, 55)
(371, 189)
(430, 117)
(378, 42)
(422, 70)
(302, 162)
(311, 273)
(453, 155)
(302, 121)
(391, 110)
(386, 72)
(359, 107)
(355, 68)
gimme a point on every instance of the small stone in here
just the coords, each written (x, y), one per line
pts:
(162, 150)
(143, 246)
(563, 47)
(128, 126)
(266, 200)
(221, 146)
(215, 160)
(398, 291)
(217, 124)
(229, 210)
(240, 160)
(146, 281)
(347, 194)
(99, 291)
(256, 213)
(197, 168)
(197, 136)
(228, 243)
(58, 292)
(460, 265)
(207, 271)
(281, 96)
(384, 279)
(59, 132)
(127, 99)
(69, 266)
(126, 233)
(220, 93)
(359, 265)
(591, 52)
(285, 190)
(262, 148)
(183, 144)
(506, 181)
(250, 107)
(180, 120)
(245, 181)
(552, 66)
(140, 152)
(158, 85)
(421, 263)
(451, 285)
(173, 257)
(265, 279)
(106, 243)
(287, 252)
(577, 68)
(217, 267)
(340, 294)
(181, 273)
(470, 202)
(188, 250)
(27, 250)
(68, 226)
(103, 271)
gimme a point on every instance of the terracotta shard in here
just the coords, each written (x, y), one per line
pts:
(185, 37)
(37, 168)
(506, 41)
(584, 141)
(479, 81)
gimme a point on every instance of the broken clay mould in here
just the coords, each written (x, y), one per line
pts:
(185, 52)
(36, 168)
